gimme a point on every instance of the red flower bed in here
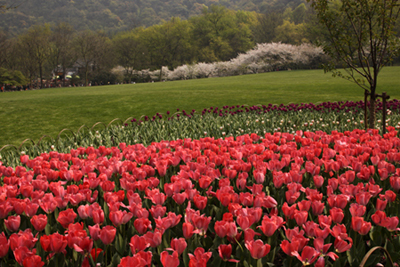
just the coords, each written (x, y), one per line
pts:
(282, 198)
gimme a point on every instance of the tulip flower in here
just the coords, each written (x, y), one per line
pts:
(5, 208)
(21, 253)
(169, 260)
(178, 245)
(66, 217)
(13, 223)
(308, 255)
(142, 225)
(200, 257)
(138, 243)
(120, 217)
(257, 248)
(39, 222)
(107, 234)
(4, 245)
(188, 230)
(225, 252)
(33, 261)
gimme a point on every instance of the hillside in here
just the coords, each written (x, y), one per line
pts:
(119, 15)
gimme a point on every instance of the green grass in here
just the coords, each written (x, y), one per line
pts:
(31, 114)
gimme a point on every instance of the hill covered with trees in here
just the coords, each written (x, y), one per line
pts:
(120, 15)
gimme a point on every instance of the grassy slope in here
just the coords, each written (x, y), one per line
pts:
(31, 114)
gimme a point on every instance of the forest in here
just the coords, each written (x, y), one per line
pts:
(120, 15)
(49, 50)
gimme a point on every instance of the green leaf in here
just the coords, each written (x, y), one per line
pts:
(115, 260)
(47, 229)
(376, 236)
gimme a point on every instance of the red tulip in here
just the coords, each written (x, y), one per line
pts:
(381, 204)
(249, 234)
(178, 245)
(188, 230)
(94, 232)
(39, 222)
(12, 223)
(23, 239)
(134, 261)
(4, 245)
(201, 223)
(84, 245)
(54, 243)
(270, 225)
(33, 261)
(308, 255)
(391, 223)
(142, 225)
(390, 196)
(337, 215)
(97, 215)
(169, 260)
(257, 248)
(341, 245)
(21, 253)
(290, 247)
(289, 211)
(66, 217)
(365, 228)
(357, 210)
(48, 203)
(200, 201)
(225, 252)
(153, 238)
(300, 217)
(107, 234)
(363, 198)
(120, 217)
(5, 208)
(30, 209)
(378, 217)
(138, 243)
(395, 183)
(107, 186)
(200, 257)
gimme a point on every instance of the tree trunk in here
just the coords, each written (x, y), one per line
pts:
(372, 115)
(63, 76)
(161, 74)
(41, 76)
(86, 74)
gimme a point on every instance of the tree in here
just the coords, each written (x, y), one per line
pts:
(61, 53)
(92, 51)
(220, 34)
(4, 6)
(290, 33)
(37, 46)
(265, 30)
(11, 77)
(361, 39)
(130, 51)
(168, 44)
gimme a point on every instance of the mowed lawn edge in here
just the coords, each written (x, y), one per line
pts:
(32, 114)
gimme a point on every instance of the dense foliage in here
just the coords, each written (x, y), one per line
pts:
(118, 15)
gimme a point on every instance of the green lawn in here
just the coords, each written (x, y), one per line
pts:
(31, 114)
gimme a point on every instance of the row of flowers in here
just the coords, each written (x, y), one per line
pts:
(282, 198)
(341, 106)
(213, 121)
